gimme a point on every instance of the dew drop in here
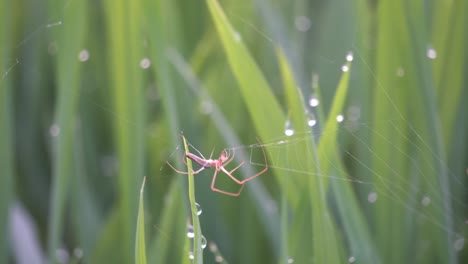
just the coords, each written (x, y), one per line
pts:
(145, 63)
(190, 233)
(78, 252)
(190, 255)
(62, 255)
(339, 118)
(219, 259)
(344, 68)
(206, 107)
(426, 201)
(199, 209)
(372, 197)
(459, 244)
(288, 130)
(203, 242)
(237, 37)
(311, 120)
(351, 259)
(302, 23)
(290, 260)
(313, 100)
(83, 55)
(354, 113)
(431, 53)
(400, 72)
(54, 130)
(213, 247)
(349, 56)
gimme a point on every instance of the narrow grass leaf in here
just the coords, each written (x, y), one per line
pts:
(168, 244)
(125, 54)
(6, 135)
(266, 114)
(323, 229)
(197, 239)
(140, 244)
(70, 39)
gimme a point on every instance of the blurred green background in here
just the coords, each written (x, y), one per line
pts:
(94, 96)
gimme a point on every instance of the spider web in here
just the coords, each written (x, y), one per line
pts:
(284, 156)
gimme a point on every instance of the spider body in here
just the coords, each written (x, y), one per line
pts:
(219, 165)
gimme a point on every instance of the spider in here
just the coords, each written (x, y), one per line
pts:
(219, 164)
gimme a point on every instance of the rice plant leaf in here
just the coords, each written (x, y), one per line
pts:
(197, 239)
(140, 244)
(266, 114)
(323, 228)
(168, 243)
(124, 55)
(70, 39)
(6, 135)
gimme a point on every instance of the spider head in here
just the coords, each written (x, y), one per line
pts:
(224, 156)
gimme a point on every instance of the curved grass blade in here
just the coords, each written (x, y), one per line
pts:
(197, 239)
(140, 248)
(267, 116)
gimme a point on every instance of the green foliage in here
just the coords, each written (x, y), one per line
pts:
(95, 94)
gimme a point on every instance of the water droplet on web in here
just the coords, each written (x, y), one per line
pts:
(351, 259)
(426, 201)
(372, 197)
(206, 107)
(78, 252)
(203, 242)
(290, 260)
(288, 130)
(145, 63)
(54, 130)
(302, 23)
(237, 37)
(311, 120)
(349, 56)
(459, 244)
(190, 255)
(199, 209)
(190, 233)
(354, 113)
(62, 255)
(400, 72)
(339, 118)
(431, 53)
(344, 68)
(83, 55)
(313, 100)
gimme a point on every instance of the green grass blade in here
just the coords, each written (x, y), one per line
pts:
(323, 228)
(70, 39)
(6, 133)
(197, 239)
(267, 116)
(125, 54)
(140, 244)
(168, 244)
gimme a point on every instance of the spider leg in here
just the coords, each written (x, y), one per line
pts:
(231, 158)
(184, 172)
(214, 189)
(262, 171)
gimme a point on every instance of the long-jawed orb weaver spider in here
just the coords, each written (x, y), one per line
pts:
(219, 164)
